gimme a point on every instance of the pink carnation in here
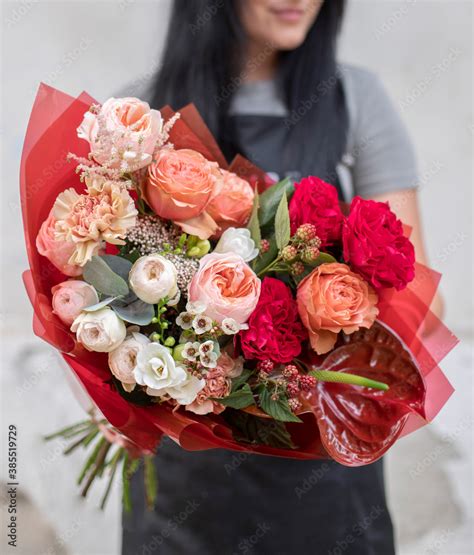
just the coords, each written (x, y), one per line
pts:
(316, 202)
(218, 384)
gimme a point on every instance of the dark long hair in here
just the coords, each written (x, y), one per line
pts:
(202, 64)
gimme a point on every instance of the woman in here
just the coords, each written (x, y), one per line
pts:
(263, 74)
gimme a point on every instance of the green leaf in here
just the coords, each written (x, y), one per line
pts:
(270, 199)
(278, 409)
(238, 399)
(240, 380)
(137, 312)
(253, 429)
(254, 224)
(323, 258)
(282, 223)
(99, 274)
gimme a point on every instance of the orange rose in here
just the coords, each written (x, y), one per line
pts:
(179, 186)
(232, 205)
(333, 299)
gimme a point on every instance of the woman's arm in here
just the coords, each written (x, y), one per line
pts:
(384, 166)
(405, 205)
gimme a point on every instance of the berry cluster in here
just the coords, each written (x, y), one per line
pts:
(302, 249)
(292, 381)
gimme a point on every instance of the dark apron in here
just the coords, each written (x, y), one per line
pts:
(220, 502)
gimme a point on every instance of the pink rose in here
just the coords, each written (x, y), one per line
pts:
(332, 299)
(179, 186)
(123, 133)
(57, 251)
(71, 297)
(233, 202)
(227, 286)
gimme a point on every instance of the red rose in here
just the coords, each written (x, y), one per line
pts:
(275, 330)
(375, 246)
(316, 202)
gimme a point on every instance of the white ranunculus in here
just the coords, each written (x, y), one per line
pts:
(186, 392)
(157, 370)
(238, 241)
(101, 331)
(153, 278)
(123, 359)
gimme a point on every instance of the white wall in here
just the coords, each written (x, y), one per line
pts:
(423, 52)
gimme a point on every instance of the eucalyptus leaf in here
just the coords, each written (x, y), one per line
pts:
(282, 223)
(118, 264)
(98, 306)
(270, 199)
(238, 399)
(138, 312)
(100, 275)
(277, 409)
(254, 224)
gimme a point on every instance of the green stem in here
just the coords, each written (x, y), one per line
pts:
(352, 379)
(84, 440)
(70, 430)
(113, 464)
(270, 266)
(98, 466)
(90, 461)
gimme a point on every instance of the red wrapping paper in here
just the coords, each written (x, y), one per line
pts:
(333, 412)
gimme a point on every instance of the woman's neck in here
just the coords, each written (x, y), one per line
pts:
(259, 62)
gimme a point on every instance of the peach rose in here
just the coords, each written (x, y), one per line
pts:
(71, 297)
(227, 286)
(57, 251)
(179, 186)
(333, 299)
(123, 133)
(232, 205)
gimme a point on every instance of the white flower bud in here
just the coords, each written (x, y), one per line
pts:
(153, 278)
(123, 359)
(101, 331)
(238, 241)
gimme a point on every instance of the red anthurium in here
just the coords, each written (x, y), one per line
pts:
(358, 424)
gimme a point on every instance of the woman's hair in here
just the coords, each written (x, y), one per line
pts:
(202, 63)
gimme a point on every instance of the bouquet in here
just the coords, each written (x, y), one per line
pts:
(198, 300)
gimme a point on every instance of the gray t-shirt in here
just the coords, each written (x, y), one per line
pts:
(379, 155)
